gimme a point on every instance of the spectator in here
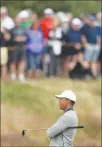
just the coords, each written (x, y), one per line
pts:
(33, 17)
(46, 23)
(70, 17)
(85, 25)
(3, 56)
(65, 24)
(72, 46)
(6, 21)
(99, 26)
(6, 24)
(91, 41)
(55, 41)
(17, 53)
(34, 50)
(25, 19)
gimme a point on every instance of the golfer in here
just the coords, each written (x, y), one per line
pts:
(59, 135)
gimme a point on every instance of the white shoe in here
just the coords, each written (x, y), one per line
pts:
(13, 76)
(21, 77)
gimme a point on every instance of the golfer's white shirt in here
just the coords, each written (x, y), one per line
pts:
(59, 134)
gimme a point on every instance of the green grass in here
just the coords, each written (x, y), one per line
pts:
(38, 101)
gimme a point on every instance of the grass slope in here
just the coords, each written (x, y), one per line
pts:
(33, 105)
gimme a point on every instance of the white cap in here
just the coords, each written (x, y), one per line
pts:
(67, 94)
(48, 11)
(76, 21)
(23, 14)
(61, 15)
(3, 10)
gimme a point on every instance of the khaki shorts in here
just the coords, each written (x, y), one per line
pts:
(3, 55)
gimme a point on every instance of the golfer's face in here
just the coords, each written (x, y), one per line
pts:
(63, 103)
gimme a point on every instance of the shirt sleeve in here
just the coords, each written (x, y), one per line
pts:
(62, 124)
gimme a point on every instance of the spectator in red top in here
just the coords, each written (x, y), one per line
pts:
(46, 22)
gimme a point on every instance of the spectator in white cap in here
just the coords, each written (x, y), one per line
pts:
(77, 22)
(6, 21)
(72, 47)
(59, 133)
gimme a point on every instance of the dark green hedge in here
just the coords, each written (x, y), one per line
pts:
(76, 7)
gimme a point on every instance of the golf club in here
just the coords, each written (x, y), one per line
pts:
(23, 131)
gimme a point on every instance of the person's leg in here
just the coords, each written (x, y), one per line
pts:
(4, 60)
(38, 66)
(86, 64)
(30, 64)
(94, 64)
(52, 66)
(46, 64)
(58, 66)
(12, 61)
(3, 72)
(72, 63)
(21, 64)
(100, 63)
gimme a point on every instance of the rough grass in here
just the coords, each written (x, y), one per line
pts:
(33, 105)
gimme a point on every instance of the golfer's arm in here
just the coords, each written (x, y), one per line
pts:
(58, 127)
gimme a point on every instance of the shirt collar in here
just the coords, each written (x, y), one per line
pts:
(69, 109)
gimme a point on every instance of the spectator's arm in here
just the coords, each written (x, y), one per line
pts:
(98, 39)
(51, 35)
(77, 46)
(7, 35)
(84, 40)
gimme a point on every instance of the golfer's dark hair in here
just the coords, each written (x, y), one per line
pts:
(72, 103)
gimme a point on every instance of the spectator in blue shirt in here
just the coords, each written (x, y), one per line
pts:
(34, 49)
(91, 41)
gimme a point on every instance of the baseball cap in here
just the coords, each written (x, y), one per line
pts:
(23, 14)
(67, 94)
(48, 11)
(76, 21)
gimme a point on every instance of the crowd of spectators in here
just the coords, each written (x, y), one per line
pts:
(57, 44)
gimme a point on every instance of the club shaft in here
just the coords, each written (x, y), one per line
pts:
(47, 128)
(35, 129)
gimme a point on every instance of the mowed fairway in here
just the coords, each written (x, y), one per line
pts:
(33, 105)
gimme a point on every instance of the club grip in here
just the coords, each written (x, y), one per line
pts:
(76, 127)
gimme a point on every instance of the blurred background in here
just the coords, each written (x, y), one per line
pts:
(47, 47)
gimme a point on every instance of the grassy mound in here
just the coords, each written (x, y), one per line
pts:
(33, 105)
